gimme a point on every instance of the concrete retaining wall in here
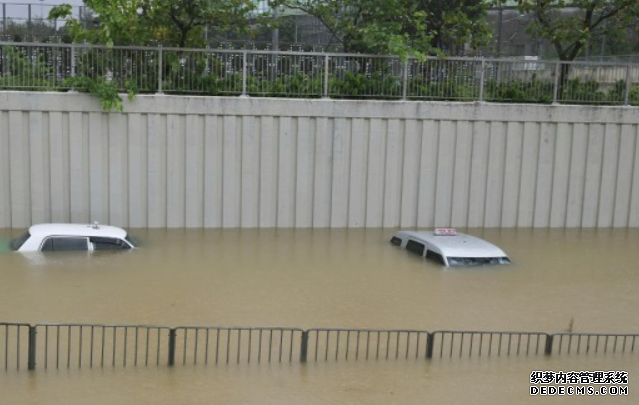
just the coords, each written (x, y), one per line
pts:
(245, 162)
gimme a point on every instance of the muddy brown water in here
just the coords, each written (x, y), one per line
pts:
(326, 278)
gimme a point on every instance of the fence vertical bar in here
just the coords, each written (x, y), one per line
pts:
(160, 63)
(555, 87)
(304, 347)
(626, 97)
(172, 338)
(326, 75)
(4, 16)
(31, 363)
(481, 80)
(72, 73)
(548, 349)
(405, 80)
(430, 344)
(244, 72)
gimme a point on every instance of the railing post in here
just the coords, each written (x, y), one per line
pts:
(555, 88)
(405, 81)
(160, 63)
(326, 75)
(304, 347)
(481, 80)
(31, 362)
(548, 348)
(244, 72)
(430, 344)
(72, 60)
(626, 97)
(172, 338)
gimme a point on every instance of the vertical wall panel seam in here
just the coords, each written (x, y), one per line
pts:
(146, 164)
(257, 123)
(553, 162)
(419, 128)
(7, 176)
(276, 178)
(535, 199)
(504, 158)
(239, 141)
(634, 162)
(331, 150)
(633, 171)
(601, 175)
(489, 139)
(312, 129)
(469, 179)
(401, 183)
(615, 185)
(522, 144)
(384, 169)
(222, 174)
(184, 165)
(585, 180)
(349, 172)
(570, 133)
(437, 125)
(295, 129)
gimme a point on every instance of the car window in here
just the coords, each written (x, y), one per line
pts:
(415, 247)
(100, 243)
(435, 256)
(63, 243)
(18, 242)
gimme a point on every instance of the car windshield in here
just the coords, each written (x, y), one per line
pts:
(18, 242)
(476, 261)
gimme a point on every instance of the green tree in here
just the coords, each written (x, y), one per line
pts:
(147, 22)
(401, 27)
(570, 24)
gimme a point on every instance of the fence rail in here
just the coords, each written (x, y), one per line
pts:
(62, 67)
(59, 346)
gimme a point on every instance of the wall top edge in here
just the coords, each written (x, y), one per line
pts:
(318, 108)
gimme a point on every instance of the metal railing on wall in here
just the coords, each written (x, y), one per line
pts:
(58, 346)
(59, 67)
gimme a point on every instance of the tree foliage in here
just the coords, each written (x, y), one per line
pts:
(570, 24)
(401, 27)
(148, 22)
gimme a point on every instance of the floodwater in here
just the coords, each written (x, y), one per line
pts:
(584, 279)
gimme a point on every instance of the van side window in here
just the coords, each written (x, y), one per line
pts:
(436, 257)
(396, 241)
(415, 247)
(61, 244)
(109, 244)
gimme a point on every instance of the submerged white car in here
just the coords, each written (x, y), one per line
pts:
(72, 237)
(450, 248)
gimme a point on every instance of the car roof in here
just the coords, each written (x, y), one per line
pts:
(459, 245)
(77, 230)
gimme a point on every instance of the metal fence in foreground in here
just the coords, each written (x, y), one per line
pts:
(61, 67)
(59, 346)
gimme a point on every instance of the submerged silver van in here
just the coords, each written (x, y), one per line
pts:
(450, 248)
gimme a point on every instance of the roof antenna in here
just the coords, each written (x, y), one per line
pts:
(96, 225)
